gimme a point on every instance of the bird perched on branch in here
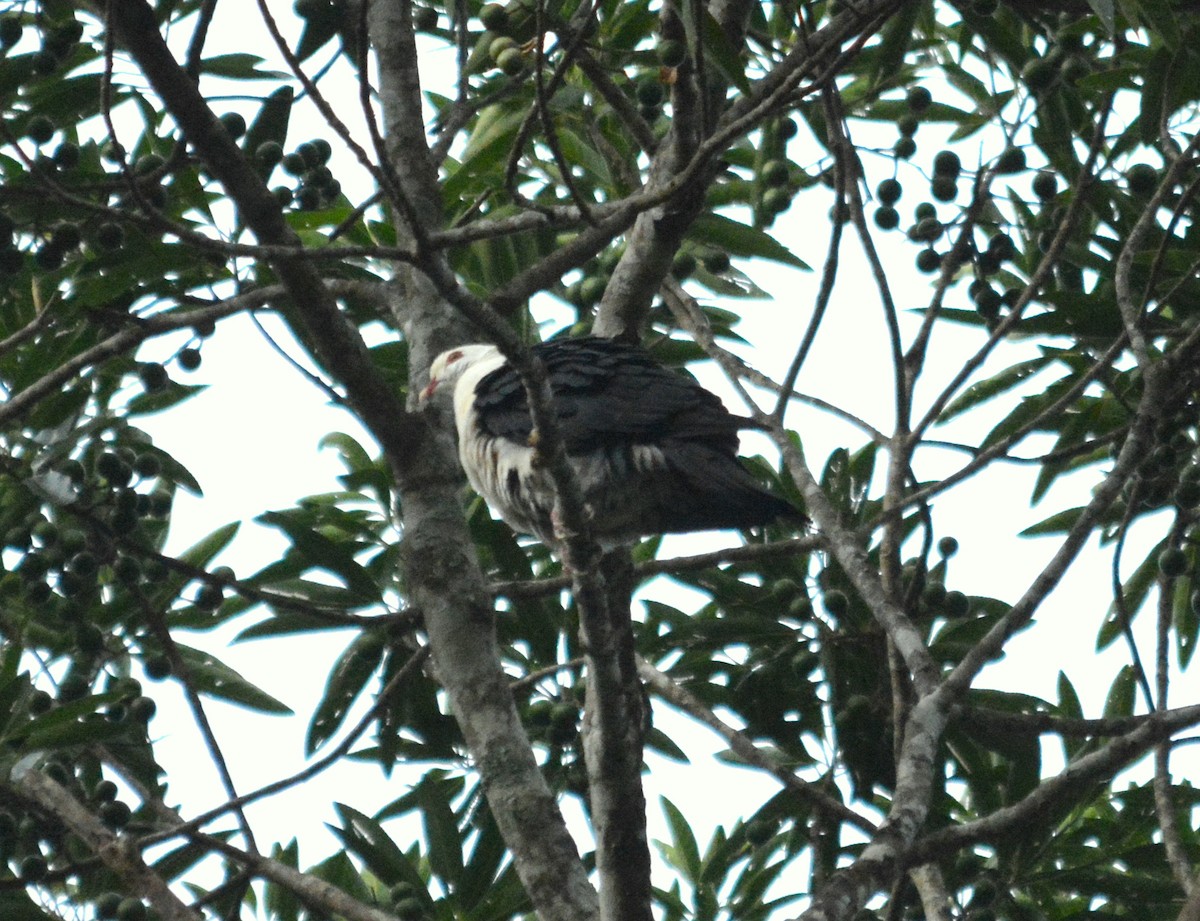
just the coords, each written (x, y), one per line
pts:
(653, 451)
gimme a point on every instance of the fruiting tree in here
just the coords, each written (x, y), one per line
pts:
(1006, 200)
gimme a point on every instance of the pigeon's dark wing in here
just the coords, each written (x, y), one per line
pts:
(607, 394)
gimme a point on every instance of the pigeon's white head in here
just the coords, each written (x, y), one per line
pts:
(449, 368)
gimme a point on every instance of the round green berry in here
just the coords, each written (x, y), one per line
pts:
(670, 52)
(1172, 562)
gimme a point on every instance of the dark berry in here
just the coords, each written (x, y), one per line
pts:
(775, 201)
(66, 155)
(927, 230)
(148, 163)
(49, 257)
(10, 31)
(716, 262)
(775, 173)
(32, 868)
(1142, 179)
(209, 597)
(425, 19)
(269, 153)
(66, 236)
(887, 218)
(919, 99)
(110, 236)
(683, 265)
(134, 909)
(1172, 562)
(1012, 160)
(947, 163)
(142, 709)
(494, 17)
(293, 164)
(888, 192)
(40, 129)
(153, 375)
(944, 187)
(928, 261)
(189, 359)
(649, 91)
(904, 148)
(1045, 185)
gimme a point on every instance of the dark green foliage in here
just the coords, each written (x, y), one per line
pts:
(100, 311)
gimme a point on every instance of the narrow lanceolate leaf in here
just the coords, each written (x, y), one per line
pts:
(349, 676)
(718, 50)
(1121, 694)
(320, 551)
(1058, 523)
(741, 240)
(441, 831)
(683, 850)
(204, 551)
(994, 386)
(210, 676)
(1106, 10)
(367, 839)
(271, 122)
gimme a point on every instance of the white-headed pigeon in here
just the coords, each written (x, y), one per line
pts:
(654, 452)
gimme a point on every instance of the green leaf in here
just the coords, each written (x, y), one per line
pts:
(16, 905)
(683, 853)
(1058, 523)
(323, 552)
(895, 40)
(1135, 589)
(350, 675)
(993, 386)
(719, 51)
(205, 550)
(579, 152)
(741, 240)
(64, 726)
(280, 901)
(156, 401)
(366, 838)
(441, 831)
(1187, 621)
(1121, 694)
(478, 878)
(210, 676)
(1107, 13)
(288, 623)
(239, 66)
(271, 122)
